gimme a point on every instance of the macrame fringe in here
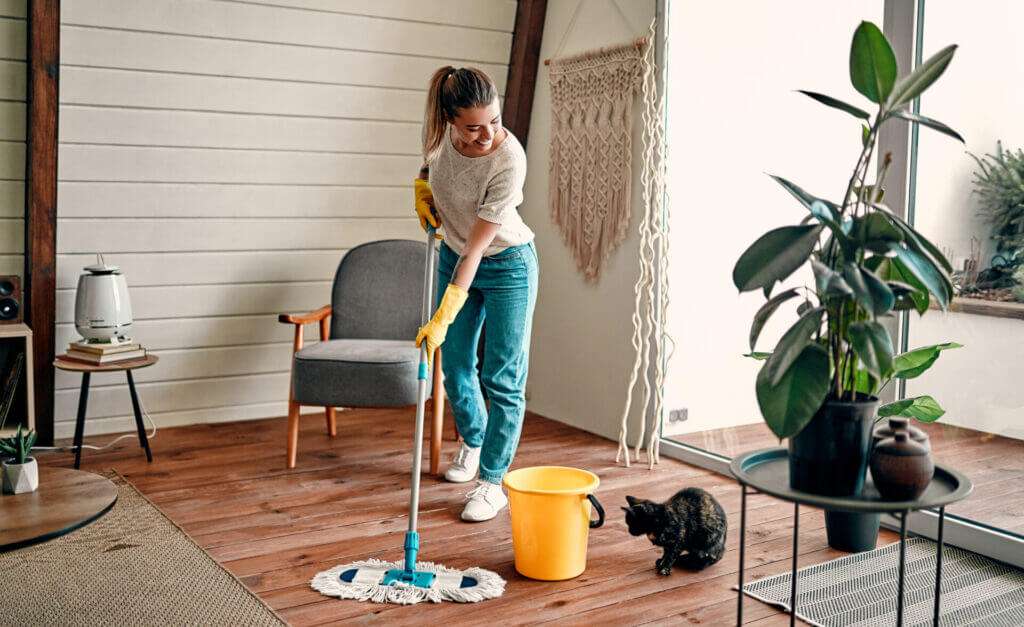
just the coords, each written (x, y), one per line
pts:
(650, 340)
(489, 585)
(591, 150)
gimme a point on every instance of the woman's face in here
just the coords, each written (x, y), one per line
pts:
(476, 129)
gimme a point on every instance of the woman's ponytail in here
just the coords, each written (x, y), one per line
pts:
(434, 120)
(450, 90)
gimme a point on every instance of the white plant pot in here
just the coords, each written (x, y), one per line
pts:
(19, 478)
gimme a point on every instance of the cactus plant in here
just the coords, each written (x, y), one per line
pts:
(18, 446)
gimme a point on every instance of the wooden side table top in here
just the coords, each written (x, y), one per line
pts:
(65, 500)
(73, 365)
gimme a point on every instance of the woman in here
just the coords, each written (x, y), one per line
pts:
(488, 262)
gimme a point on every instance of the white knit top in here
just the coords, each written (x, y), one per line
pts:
(489, 187)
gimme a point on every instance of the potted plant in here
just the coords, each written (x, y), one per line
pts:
(21, 473)
(818, 387)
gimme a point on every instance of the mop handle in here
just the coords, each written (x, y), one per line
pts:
(421, 397)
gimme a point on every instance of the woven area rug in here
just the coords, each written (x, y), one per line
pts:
(132, 566)
(861, 589)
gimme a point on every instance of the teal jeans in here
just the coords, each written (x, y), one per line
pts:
(503, 293)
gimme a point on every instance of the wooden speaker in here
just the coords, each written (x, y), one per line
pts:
(10, 299)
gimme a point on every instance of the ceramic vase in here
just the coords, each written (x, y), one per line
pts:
(901, 468)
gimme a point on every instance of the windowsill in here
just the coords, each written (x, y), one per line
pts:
(982, 307)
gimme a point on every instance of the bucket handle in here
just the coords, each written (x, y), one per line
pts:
(600, 512)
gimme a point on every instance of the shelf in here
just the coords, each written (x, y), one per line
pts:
(981, 307)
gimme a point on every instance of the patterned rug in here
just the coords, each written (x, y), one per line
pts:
(861, 589)
(132, 566)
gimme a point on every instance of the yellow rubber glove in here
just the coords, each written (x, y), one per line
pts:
(425, 205)
(434, 331)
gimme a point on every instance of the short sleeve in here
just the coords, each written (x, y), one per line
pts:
(504, 192)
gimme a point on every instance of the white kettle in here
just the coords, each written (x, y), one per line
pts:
(102, 309)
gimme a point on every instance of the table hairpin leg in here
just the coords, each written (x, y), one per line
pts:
(743, 534)
(903, 566)
(83, 401)
(796, 551)
(938, 567)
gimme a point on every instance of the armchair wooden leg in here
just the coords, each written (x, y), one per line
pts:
(293, 432)
(436, 426)
(332, 421)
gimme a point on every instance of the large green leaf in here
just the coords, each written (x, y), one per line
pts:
(871, 292)
(766, 311)
(802, 195)
(829, 283)
(903, 283)
(829, 101)
(775, 256)
(923, 408)
(789, 404)
(913, 84)
(930, 123)
(873, 346)
(792, 343)
(931, 276)
(875, 232)
(872, 63)
(915, 240)
(914, 363)
(865, 383)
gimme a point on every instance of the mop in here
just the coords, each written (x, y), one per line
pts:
(408, 581)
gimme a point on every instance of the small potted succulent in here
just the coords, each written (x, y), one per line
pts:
(818, 387)
(21, 473)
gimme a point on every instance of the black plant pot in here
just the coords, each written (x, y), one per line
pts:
(830, 457)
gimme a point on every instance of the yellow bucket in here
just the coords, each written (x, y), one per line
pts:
(550, 508)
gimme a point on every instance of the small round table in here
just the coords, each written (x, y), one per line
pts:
(87, 369)
(64, 501)
(766, 471)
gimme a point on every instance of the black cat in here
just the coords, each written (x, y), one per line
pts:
(690, 526)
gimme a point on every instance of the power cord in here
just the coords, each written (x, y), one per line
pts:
(150, 436)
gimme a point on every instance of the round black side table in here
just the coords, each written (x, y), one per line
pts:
(127, 366)
(766, 471)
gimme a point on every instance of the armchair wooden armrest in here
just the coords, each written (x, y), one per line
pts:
(321, 315)
(306, 318)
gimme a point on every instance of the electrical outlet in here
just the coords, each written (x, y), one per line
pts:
(678, 415)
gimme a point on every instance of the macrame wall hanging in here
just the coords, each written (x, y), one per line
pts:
(591, 127)
(651, 342)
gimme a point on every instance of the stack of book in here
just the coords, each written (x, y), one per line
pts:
(99, 353)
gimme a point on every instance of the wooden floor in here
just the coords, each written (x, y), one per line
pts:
(227, 486)
(995, 465)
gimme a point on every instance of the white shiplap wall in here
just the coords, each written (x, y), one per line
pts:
(12, 136)
(225, 154)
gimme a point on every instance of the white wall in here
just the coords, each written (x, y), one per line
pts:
(978, 385)
(733, 116)
(225, 155)
(12, 136)
(580, 355)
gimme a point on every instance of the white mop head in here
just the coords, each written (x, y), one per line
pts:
(366, 585)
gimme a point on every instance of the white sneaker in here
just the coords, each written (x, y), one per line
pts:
(485, 501)
(465, 465)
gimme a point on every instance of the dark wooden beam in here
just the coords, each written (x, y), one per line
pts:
(522, 66)
(41, 201)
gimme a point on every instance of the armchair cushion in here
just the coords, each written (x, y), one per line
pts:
(357, 373)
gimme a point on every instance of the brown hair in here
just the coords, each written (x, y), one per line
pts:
(452, 89)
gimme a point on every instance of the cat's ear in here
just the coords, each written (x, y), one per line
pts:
(632, 500)
(627, 510)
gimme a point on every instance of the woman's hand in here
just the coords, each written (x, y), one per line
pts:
(424, 200)
(435, 331)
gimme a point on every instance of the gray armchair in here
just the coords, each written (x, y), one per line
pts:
(367, 359)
